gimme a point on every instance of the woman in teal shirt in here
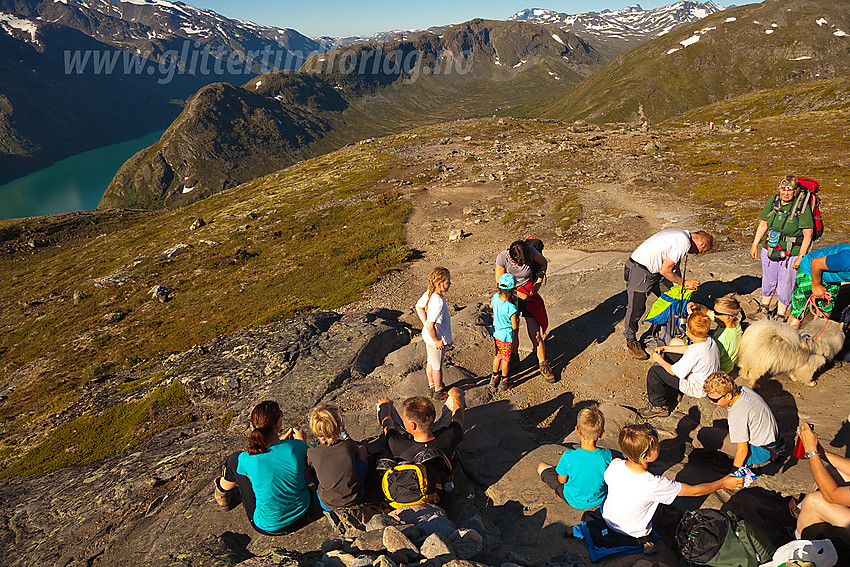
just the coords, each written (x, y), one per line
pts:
(271, 476)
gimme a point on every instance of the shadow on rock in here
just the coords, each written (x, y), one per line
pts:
(568, 340)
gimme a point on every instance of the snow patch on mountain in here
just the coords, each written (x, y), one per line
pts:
(632, 24)
(10, 22)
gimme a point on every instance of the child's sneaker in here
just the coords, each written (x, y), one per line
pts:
(495, 378)
(440, 394)
(506, 384)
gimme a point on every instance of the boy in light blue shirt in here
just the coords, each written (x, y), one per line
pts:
(579, 476)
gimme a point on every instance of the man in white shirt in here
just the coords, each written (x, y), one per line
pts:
(654, 267)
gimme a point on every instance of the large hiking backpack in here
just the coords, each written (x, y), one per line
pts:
(424, 480)
(808, 196)
(721, 539)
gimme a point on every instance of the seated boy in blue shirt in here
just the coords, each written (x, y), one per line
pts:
(578, 478)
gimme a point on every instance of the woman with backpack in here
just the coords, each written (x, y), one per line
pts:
(528, 266)
(787, 226)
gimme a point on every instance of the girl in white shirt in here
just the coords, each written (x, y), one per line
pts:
(436, 328)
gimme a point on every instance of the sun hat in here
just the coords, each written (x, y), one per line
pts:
(507, 281)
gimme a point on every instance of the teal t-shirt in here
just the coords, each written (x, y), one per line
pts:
(837, 263)
(502, 313)
(585, 470)
(279, 483)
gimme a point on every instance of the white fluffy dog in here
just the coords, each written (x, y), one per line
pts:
(775, 347)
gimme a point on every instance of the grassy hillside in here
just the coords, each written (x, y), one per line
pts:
(799, 130)
(748, 48)
(312, 236)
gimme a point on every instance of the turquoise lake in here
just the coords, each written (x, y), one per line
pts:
(76, 183)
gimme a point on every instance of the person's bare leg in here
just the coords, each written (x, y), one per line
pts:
(536, 338)
(816, 510)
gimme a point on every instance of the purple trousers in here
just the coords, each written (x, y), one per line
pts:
(777, 277)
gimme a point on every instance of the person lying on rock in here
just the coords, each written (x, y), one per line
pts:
(634, 493)
(824, 511)
(270, 477)
(579, 477)
(416, 429)
(681, 368)
(752, 437)
(339, 463)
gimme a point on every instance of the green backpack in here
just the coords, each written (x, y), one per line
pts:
(720, 539)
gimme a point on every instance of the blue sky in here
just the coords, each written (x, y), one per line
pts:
(342, 18)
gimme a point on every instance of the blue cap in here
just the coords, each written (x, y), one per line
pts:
(507, 281)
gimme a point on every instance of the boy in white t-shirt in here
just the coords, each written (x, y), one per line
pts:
(681, 368)
(634, 493)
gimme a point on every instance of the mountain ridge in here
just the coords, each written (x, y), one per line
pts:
(616, 31)
(749, 48)
(396, 85)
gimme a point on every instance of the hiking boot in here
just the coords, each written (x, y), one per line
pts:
(651, 411)
(505, 384)
(224, 498)
(495, 379)
(546, 372)
(636, 349)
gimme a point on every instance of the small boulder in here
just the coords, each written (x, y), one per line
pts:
(114, 317)
(373, 540)
(199, 222)
(466, 543)
(381, 521)
(78, 296)
(362, 561)
(434, 546)
(338, 559)
(395, 541)
(159, 292)
(428, 518)
(383, 561)
(456, 235)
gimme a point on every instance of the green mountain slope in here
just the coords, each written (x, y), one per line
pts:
(227, 136)
(748, 48)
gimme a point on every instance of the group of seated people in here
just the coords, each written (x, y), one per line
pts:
(280, 479)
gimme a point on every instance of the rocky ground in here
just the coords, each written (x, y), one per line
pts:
(154, 505)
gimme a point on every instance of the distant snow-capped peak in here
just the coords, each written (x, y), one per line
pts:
(631, 24)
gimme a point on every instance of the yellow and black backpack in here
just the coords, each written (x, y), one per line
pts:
(424, 480)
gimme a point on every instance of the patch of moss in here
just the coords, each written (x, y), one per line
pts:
(92, 437)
